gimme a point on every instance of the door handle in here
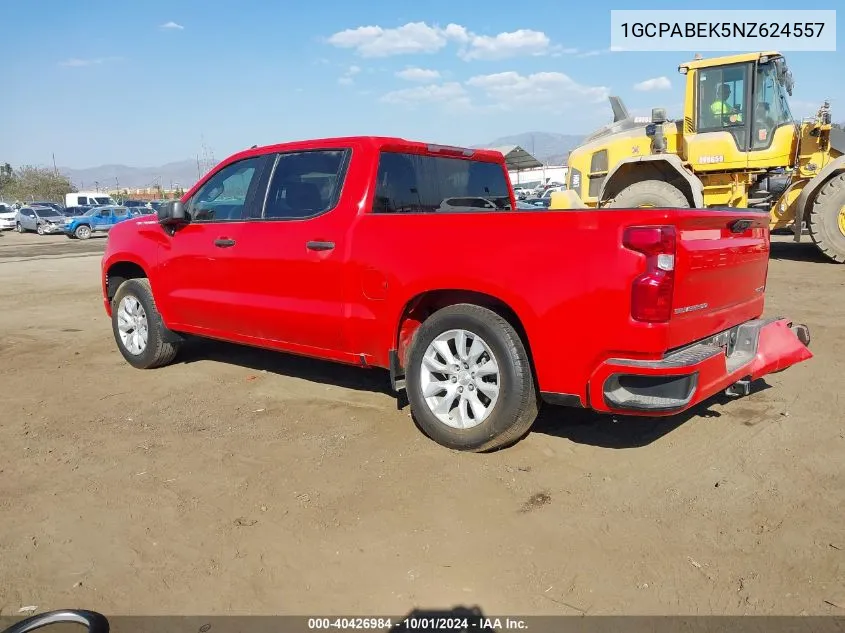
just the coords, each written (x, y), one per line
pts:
(224, 242)
(319, 246)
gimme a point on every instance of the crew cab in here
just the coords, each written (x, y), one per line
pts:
(97, 220)
(342, 249)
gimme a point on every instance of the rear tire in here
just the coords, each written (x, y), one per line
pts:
(650, 193)
(475, 420)
(155, 351)
(827, 219)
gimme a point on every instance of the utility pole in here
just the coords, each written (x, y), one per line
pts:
(55, 171)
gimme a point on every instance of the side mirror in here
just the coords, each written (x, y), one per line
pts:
(172, 213)
(658, 115)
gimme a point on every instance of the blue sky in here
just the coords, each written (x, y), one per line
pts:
(143, 83)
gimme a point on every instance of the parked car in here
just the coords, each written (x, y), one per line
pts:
(474, 204)
(134, 203)
(42, 220)
(155, 205)
(97, 220)
(523, 204)
(88, 198)
(539, 202)
(641, 311)
(7, 217)
(72, 212)
(53, 205)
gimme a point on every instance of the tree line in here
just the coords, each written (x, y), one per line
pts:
(29, 184)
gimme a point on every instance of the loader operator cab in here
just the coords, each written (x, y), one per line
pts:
(746, 99)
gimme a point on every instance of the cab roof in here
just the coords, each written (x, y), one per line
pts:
(373, 143)
(728, 59)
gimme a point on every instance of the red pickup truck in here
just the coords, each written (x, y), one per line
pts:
(382, 252)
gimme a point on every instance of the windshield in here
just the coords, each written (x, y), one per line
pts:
(91, 212)
(770, 105)
(47, 211)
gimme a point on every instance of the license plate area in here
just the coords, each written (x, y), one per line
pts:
(725, 340)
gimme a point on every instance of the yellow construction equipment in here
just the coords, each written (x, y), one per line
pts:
(737, 145)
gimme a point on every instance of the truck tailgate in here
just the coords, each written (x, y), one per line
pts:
(721, 263)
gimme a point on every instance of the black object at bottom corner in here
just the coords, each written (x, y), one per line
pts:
(562, 399)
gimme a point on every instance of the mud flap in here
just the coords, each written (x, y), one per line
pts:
(779, 347)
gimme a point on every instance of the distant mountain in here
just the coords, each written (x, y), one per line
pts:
(180, 174)
(548, 147)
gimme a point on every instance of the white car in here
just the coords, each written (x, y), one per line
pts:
(7, 217)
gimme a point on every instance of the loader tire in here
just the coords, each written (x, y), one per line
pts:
(827, 219)
(650, 193)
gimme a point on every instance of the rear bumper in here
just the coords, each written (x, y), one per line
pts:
(690, 375)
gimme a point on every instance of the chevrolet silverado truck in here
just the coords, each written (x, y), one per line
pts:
(343, 249)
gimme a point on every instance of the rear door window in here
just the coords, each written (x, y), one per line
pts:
(305, 184)
(412, 183)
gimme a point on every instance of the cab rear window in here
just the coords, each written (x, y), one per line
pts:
(413, 183)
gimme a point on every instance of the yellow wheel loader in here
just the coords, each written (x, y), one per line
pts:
(737, 145)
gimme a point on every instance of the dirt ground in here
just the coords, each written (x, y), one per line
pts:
(238, 481)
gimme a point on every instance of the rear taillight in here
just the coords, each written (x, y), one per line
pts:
(651, 292)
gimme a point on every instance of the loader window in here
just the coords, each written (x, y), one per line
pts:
(722, 101)
(771, 106)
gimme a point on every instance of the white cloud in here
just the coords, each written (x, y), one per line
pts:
(75, 62)
(657, 83)
(347, 78)
(450, 94)
(593, 53)
(545, 90)
(420, 37)
(172, 25)
(414, 37)
(504, 45)
(422, 75)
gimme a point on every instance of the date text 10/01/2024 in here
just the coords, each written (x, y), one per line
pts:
(418, 623)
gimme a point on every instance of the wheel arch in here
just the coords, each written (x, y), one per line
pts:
(665, 167)
(425, 303)
(119, 271)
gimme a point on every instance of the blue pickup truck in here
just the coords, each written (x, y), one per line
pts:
(96, 220)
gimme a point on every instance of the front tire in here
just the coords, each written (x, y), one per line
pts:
(20, 228)
(650, 193)
(137, 326)
(469, 380)
(83, 231)
(827, 219)
(39, 229)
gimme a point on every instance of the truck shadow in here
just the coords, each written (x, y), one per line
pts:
(576, 425)
(803, 252)
(602, 430)
(260, 360)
